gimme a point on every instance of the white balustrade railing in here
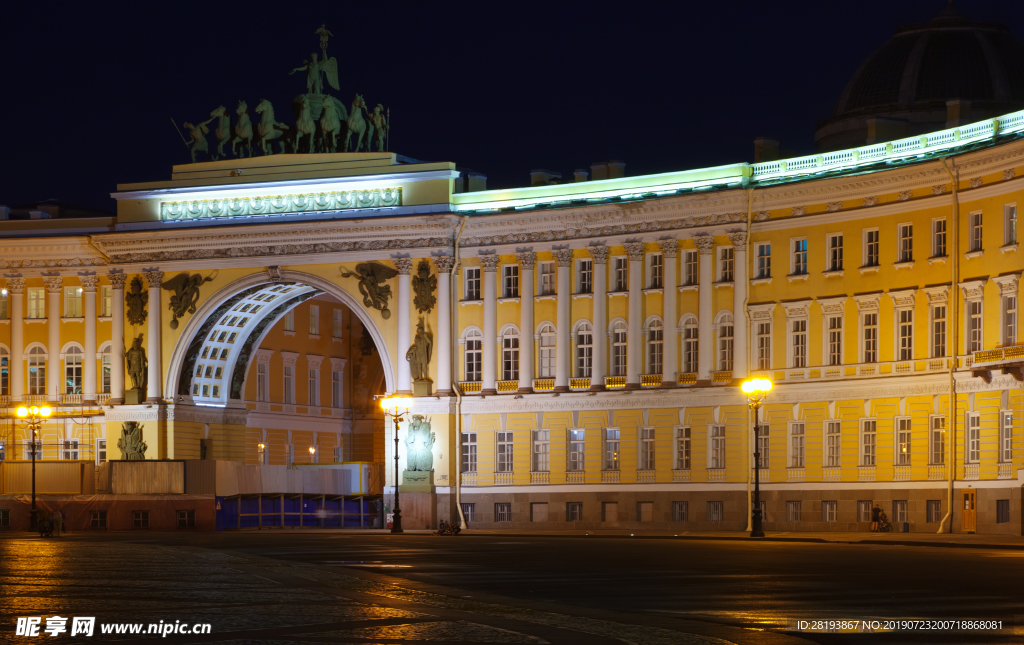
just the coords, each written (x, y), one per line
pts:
(680, 475)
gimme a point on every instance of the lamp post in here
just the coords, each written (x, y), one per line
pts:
(395, 407)
(34, 420)
(756, 390)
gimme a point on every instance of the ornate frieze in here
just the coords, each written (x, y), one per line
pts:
(936, 294)
(799, 309)
(832, 207)
(832, 306)
(1007, 283)
(761, 216)
(871, 200)
(904, 195)
(973, 289)
(799, 211)
(1009, 174)
(939, 190)
(341, 200)
(976, 182)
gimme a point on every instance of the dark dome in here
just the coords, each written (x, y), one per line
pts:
(903, 88)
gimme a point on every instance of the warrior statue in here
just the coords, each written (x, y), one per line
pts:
(420, 352)
(137, 364)
(419, 445)
(197, 133)
(380, 127)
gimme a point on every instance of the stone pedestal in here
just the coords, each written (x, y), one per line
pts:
(419, 511)
(134, 397)
(417, 481)
(422, 387)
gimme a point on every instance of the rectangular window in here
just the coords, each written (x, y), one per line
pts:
(828, 510)
(870, 338)
(338, 323)
(835, 252)
(655, 271)
(726, 263)
(683, 448)
(690, 345)
(933, 510)
(510, 281)
(337, 388)
(186, 519)
(101, 451)
(938, 238)
(469, 512)
(832, 445)
(37, 371)
(868, 428)
(105, 373)
(689, 267)
(717, 446)
(906, 331)
(871, 248)
(903, 442)
(469, 452)
(1006, 436)
(314, 387)
(906, 242)
(574, 511)
(800, 256)
(576, 451)
(585, 276)
(472, 276)
(98, 520)
(1002, 511)
(975, 239)
(646, 448)
(548, 346)
(620, 335)
(937, 440)
(680, 511)
(716, 511)
(764, 261)
(474, 357)
(973, 452)
(764, 345)
(799, 343)
(611, 448)
(36, 302)
(261, 453)
(620, 274)
(725, 345)
(1010, 224)
(289, 384)
(835, 340)
(69, 449)
(262, 382)
(763, 435)
(793, 511)
(541, 445)
(655, 348)
(974, 329)
(938, 331)
(73, 372)
(502, 512)
(510, 357)
(106, 301)
(503, 445)
(796, 445)
(1009, 320)
(899, 511)
(864, 510)
(140, 519)
(289, 321)
(314, 320)
(548, 279)
(72, 302)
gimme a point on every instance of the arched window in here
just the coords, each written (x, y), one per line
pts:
(73, 370)
(37, 370)
(725, 343)
(584, 350)
(510, 354)
(105, 369)
(620, 332)
(5, 374)
(690, 345)
(474, 355)
(655, 346)
(548, 342)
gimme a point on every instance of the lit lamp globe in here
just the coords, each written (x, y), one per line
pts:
(22, 412)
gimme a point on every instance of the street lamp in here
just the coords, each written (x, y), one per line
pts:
(395, 407)
(756, 390)
(34, 420)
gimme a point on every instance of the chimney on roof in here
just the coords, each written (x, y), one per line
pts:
(765, 149)
(475, 181)
(958, 113)
(544, 177)
(579, 175)
(38, 214)
(607, 170)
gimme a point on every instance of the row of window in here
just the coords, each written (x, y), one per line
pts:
(74, 359)
(263, 456)
(288, 385)
(73, 308)
(795, 458)
(66, 449)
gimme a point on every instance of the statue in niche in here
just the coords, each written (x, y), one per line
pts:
(135, 302)
(186, 295)
(420, 352)
(424, 285)
(372, 277)
(131, 444)
(419, 445)
(137, 364)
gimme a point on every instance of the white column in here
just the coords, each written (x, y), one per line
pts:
(563, 312)
(635, 339)
(117, 280)
(443, 337)
(526, 325)
(670, 357)
(54, 285)
(706, 341)
(489, 262)
(404, 266)
(600, 254)
(16, 290)
(740, 365)
(89, 342)
(154, 391)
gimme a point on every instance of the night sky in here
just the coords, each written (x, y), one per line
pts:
(497, 87)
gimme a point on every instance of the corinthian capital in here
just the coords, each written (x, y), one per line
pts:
(88, 282)
(154, 277)
(705, 243)
(600, 253)
(564, 257)
(489, 261)
(526, 259)
(635, 251)
(15, 284)
(53, 283)
(117, 279)
(444, 263)
(739, 238)
(404, 265)
(669, 248)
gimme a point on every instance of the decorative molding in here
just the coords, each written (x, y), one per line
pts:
(342, 200)
(289, 358)
(798, 309)
(404, 265)
(635, 251)
(314, 361)
(526, 259)
(831, 306)
(117, 279)
(937, 294)
(799, 211)
(338, 364)
(669, 247)
(563, 256)
(973, 289)
(154, 277)
(903, 298)
(1009, 174)
(444, 263)
(89, 282)
(53, 283)
(599, 252)
(939, 190)
(489, 260)
(871, 200)
(762, 311)
(264, 355)
(275, 273)
(832, 207)
(904, 196)
(868, 302)
(739, 240)
(976, 182)
(705, 243)
(1007, 283)
(15, 284)
(761, 216)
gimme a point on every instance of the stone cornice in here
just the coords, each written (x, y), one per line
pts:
(48, 253)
